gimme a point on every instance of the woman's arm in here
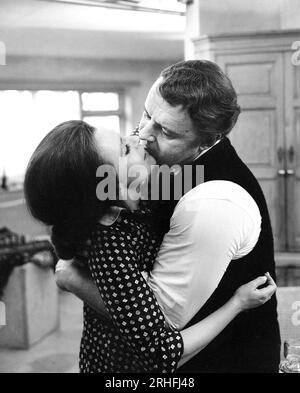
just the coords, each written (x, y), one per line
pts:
(114, 262)
(248, 296)
(198, 336)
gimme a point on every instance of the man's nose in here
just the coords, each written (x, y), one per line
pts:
(146, 133)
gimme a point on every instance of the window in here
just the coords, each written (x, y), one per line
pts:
(27, 116)
(102, 109)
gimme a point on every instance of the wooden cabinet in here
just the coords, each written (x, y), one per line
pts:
(267, 134)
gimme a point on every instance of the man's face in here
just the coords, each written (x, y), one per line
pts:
(168, 130)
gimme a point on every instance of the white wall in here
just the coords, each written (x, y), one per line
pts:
(21, 72)
(218, 17)
(230, 16)
(213, 17)
(134, 76)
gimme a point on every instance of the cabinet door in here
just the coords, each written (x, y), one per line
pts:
(259, 133)
(292, 129)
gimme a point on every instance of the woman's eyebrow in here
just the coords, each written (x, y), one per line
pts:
(121, 144)
(146, 111)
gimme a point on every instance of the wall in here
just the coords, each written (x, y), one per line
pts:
(23, 72)
(217, 17)
(230, 16)
(134, 76)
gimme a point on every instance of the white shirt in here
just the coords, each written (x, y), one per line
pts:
(214, 223)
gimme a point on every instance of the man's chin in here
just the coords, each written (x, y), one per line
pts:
(153, 155)
(159, 160)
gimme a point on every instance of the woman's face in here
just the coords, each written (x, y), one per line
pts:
(125, 154)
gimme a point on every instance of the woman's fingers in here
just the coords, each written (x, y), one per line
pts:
(259, 281)
(268, 291)
(270, 279)
(264, 294)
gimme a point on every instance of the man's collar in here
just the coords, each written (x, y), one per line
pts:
(206, 150)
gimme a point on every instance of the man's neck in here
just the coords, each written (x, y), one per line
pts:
(206, 149)
(200, 151)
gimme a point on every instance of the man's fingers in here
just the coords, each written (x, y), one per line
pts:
(63, 264)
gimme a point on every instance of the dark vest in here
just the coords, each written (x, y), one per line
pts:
(251, 343)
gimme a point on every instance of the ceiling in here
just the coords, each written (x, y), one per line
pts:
(39, 27)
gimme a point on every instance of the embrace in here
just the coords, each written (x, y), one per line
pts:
(168, 285)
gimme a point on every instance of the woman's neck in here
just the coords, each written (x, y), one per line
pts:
(129, 204)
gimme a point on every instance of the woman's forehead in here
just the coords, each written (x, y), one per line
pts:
(107, 137)
(108, 143)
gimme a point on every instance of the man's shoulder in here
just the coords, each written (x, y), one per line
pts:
(217, 189)
(221, 193)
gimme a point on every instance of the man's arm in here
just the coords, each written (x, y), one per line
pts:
(208, 229)
(72, 277)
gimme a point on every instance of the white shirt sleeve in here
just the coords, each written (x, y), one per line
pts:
(212, 224)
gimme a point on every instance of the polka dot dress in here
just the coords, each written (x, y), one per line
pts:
(137, 339)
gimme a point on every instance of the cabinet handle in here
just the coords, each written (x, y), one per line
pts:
(291, 154)
(281, 172)
(280, 154)
(290, 172)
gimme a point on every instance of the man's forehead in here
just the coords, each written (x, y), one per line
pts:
(174, 117)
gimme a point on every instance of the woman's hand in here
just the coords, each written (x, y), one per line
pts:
(249, 296)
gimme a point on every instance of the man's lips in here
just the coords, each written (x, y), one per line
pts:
(148, 151)
(150, 156)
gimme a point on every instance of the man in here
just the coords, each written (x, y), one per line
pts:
(188, 113)
(228, 241)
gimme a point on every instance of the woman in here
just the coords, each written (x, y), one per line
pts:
(60, 189)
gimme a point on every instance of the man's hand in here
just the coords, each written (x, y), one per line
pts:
(72, 277)
(64, 274)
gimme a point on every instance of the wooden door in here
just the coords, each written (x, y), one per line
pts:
(292, 130)
(259, 133)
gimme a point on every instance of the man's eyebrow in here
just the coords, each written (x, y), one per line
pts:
(168, 129)
(161, 125)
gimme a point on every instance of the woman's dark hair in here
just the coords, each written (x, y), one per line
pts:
(202, 88)
(60, 185)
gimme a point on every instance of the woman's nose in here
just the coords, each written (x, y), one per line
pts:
(133, 140)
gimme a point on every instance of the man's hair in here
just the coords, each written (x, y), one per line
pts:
(206, 93)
